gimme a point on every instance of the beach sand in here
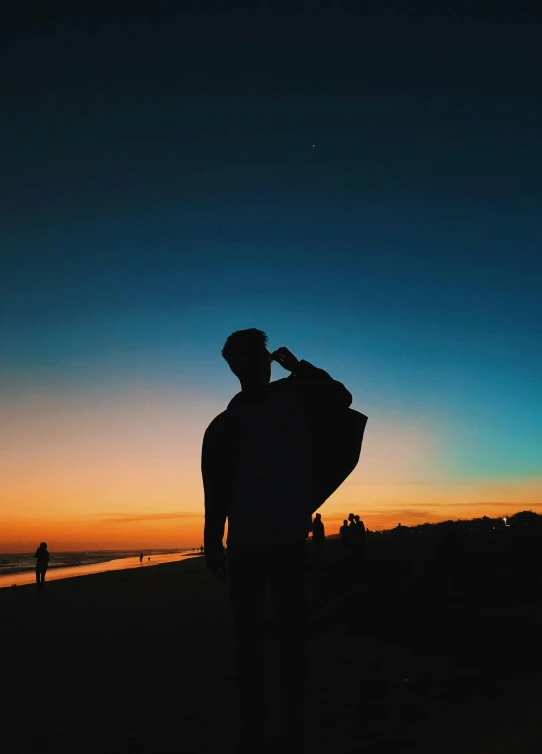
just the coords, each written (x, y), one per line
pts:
(142, 661)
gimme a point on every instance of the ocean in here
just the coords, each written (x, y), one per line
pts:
(17, 569)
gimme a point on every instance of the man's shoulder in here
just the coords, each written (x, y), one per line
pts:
(285, 383)
(219, 424)
(224, 425)
(241, 399)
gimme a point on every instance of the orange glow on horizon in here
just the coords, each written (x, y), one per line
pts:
(121, 471)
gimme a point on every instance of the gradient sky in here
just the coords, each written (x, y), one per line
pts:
(360, 180)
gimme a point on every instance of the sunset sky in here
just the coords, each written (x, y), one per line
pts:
(361, 183)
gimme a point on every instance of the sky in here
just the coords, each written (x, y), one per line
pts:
(359, 180)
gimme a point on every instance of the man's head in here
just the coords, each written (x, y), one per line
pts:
(345, 521)
(318, 516)
(356, 519)
(248, 358)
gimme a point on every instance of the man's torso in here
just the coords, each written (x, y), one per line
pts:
(272, 490)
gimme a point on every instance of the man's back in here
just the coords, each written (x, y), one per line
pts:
(272, 490)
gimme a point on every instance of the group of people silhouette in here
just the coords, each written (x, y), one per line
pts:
(353, 533)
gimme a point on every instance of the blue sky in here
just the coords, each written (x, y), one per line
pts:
(369, 196)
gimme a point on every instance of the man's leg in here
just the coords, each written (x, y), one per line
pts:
(247, 590)
(287, 580)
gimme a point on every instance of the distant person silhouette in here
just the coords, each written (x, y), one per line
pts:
(148, 558)
(268, 462)
(359, 539)
(141, 557)
(351, 530)
(42, 563)
(201, 549)
(360, 526)
(343, 531)
(318, 535)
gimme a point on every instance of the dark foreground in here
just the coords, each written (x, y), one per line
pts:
(419, 653)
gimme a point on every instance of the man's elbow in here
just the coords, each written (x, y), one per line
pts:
(344, 397)
(336, 397)
(213, 530)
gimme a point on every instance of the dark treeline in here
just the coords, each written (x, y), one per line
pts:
(484, 525)
(526, 521)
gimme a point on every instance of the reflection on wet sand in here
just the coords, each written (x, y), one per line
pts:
(120, 564)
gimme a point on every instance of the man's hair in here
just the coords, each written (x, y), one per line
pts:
(242, 346)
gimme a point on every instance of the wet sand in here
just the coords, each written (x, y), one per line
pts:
(87, 569)
(141, 661)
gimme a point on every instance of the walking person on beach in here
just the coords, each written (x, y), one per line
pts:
(42, 563)
(258, 468)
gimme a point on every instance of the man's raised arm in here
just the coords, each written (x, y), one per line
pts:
(337, 430)
(318, 388)
(314, 387)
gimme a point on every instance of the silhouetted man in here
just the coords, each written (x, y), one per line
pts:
(360, 528)
(318, 535)
(260, 470)
(359, 539)
(42, 563)
(343, 531)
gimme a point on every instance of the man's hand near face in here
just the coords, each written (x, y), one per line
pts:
(285, 358)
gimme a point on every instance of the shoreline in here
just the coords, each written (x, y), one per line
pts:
(61, 572)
